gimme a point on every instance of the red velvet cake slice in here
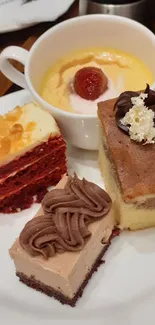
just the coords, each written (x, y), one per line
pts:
(32, 156)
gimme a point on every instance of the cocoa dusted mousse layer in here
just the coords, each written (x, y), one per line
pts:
(61, 247)
(127, 166)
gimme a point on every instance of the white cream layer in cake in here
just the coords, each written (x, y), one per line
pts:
(24, 128)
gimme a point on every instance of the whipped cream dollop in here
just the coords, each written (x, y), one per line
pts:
(135, 115)
(67, 214)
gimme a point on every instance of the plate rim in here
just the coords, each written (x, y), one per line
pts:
(15, 316)
(19, 26)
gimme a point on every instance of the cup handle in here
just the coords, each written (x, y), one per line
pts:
(16, 53)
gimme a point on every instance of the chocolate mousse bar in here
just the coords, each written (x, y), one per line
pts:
(60, 248)
(127, 156)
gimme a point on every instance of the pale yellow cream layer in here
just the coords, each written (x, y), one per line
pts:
(125, 70)
(126, 214)
(65, 272)
(22, 129)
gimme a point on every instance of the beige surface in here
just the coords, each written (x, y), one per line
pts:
(67, 271)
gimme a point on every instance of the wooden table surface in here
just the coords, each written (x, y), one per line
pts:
(26, 38)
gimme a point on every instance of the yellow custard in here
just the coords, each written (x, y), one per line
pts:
(124, 72)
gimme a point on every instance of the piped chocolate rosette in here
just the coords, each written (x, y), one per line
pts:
(67, 214)
(135, 115)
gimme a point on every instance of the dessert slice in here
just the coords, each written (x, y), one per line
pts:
(32, 156)
(127, 155)
(60, 248)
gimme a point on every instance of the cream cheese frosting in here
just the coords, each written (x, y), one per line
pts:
(23, 128)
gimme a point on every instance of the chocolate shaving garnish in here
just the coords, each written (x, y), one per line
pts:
(123, 105)
(150, 100)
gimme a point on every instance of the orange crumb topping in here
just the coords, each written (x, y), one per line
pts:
(13, 136)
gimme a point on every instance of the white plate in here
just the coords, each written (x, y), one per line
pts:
(122, 292)
(19, 14)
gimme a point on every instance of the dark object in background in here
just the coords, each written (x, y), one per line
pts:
(135, 9)
(26, 1)
(115, 2)
(151, 15)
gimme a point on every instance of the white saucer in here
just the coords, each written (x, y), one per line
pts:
(122, 292)
(19, 14)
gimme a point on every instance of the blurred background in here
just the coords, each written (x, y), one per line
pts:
(151, 14)
(139, 10)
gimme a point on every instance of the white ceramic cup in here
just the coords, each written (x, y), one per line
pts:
(77, 33)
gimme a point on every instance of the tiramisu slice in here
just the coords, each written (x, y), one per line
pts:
(127, 156)
(60, 248)
(32, 156)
